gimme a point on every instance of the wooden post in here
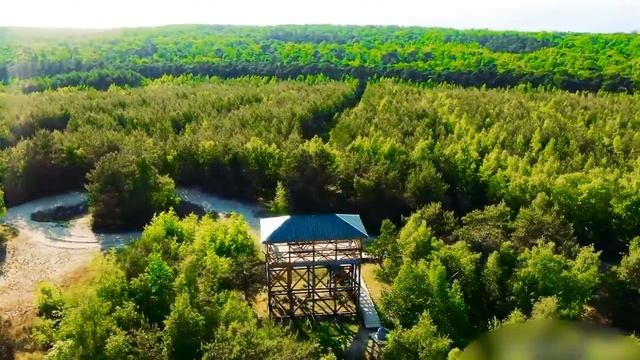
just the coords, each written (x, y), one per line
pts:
(269, 287)
(312, 287)
(289, 289)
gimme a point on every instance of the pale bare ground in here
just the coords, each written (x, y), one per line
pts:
(29, 262)
(41, 252)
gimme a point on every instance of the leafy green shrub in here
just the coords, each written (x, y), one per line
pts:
(125, 192)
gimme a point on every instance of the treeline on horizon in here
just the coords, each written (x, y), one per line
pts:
(35, 60)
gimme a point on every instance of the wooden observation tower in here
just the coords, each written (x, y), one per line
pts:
(313, 264)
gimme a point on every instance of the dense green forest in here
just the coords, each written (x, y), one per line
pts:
(505, 205)
(39, 59)
(509, 194)
(401, 147)
(228, 136)
(472, 147)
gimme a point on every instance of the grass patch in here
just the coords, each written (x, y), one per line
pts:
(30, 355)
(7, 233)
(261, 306)
(375, 286)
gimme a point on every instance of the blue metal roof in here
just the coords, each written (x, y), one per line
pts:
(300, 228)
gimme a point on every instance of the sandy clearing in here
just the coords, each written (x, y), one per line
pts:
(28, 263)
(52, 252)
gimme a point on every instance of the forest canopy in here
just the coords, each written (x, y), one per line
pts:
(382, 148)
(499, 172)
(39, 59)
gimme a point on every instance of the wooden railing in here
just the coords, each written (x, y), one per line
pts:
(325, 251)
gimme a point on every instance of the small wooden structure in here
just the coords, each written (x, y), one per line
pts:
(313, 264)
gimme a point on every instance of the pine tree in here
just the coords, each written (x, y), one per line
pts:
(280, 203)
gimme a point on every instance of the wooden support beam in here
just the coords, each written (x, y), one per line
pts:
(313, 279)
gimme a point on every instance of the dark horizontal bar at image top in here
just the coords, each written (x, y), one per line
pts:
(307, 228)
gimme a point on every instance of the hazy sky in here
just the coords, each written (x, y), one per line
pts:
(569, 15)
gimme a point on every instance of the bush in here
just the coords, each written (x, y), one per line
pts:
(125, 191)
(422, 341)
(50, 302)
